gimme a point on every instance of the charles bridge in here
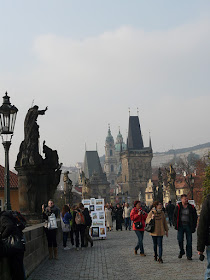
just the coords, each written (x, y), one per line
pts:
(112, 258)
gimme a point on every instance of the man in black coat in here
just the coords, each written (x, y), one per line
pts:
(185, 221)
(170, 211)
(88, 222)
(203, 233)
(119, 216)
(9, 227)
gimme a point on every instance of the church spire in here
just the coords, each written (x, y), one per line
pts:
(109, 137)
(135, 141)
(150, 141)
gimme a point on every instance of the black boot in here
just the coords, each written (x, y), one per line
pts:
(160, 260)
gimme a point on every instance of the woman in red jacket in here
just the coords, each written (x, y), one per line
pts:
(138, 216)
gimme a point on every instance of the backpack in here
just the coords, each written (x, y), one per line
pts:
(18, 219)
(79, 218)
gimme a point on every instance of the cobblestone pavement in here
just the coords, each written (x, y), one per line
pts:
(114, 258)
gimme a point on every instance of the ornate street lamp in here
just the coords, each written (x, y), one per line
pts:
(8, 114)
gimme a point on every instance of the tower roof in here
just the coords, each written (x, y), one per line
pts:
(119, 138)
(135, 141)
(109, 137)
(92, 164)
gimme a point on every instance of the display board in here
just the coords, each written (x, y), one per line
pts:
(97, 213)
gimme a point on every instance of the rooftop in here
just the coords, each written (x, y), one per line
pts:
(13, 179)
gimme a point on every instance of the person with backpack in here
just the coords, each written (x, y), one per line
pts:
(88, 222)
(50, 213)
(79, 226)
(12, 243)
(65, 224)
(72, 209)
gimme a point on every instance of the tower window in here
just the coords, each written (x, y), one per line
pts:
(110, 153)
(112, 182)
(112, 168)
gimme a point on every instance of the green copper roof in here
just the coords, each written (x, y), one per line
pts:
(117, 147)
(109, 137)
(119, 138)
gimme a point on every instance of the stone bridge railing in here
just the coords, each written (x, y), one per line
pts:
(36, 250)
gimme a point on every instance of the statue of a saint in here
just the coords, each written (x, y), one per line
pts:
(67, 187)
(29, 148)
(85, 187)
(171, 177)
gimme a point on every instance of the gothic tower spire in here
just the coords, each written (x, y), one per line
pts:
(135, 141)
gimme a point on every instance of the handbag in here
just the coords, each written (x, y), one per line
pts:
(138, 225)
(52, 223)
(65, 227)
(150, 227)
(13, 244)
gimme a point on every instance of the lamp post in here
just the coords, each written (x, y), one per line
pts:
(8, 114)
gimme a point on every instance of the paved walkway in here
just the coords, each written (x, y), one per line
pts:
(114, 259)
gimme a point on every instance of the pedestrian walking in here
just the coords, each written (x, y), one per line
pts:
(138, 216)
(170, 211)
(126, 216)
(14, 251)
(203, 234)
(185, 221)
(161, 229)
(66, 217)
(88, 222)
(72, 233)
(119, 216)
(79, 226)
(50, 213)
(108, 217)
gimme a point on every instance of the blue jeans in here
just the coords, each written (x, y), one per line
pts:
(158, 241)
(140, 235)
(180, 236)
(127, 223)
(207, 274)
(65, 237)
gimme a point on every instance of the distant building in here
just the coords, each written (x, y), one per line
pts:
(136, 162)
(98, 184)
(149, 193)
(112, 163)
(14, 196)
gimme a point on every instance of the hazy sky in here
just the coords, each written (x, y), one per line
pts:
(88, 61)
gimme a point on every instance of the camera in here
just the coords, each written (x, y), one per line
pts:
(202, 257)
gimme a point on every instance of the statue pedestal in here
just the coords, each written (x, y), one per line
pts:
(36, 185)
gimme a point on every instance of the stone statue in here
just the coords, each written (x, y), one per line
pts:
(171, 177)
(67, 188)
(154, 189)
(51, 157)
(85, 187)
(38, 177)
(29, 148)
